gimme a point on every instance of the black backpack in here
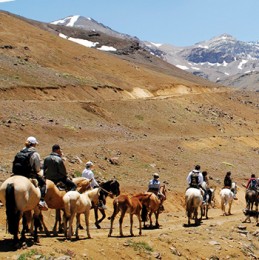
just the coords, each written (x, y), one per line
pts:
(21, 163)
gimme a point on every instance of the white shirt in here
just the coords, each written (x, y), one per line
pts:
(154, 184)
(87, 173)
(200, 177)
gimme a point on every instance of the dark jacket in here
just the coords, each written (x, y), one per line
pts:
(228, 181)
(54, 168)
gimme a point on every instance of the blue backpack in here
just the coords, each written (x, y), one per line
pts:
(253, 184)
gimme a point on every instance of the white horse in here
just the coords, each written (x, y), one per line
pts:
(77, 204)
(227, 197)
(20, 196)
(193, 201)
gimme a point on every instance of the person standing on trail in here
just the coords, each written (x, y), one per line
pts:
(54, 168)
(195, 178)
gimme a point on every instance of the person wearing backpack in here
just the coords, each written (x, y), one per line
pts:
(54, 168)
(195, 178)
(28, 164)
(252, 183)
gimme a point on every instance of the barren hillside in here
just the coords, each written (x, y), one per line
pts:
(97, 107)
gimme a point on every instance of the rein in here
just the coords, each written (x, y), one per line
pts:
(109, 193)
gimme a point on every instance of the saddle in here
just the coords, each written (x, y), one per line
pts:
(61, 186)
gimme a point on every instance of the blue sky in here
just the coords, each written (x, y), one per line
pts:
(178, 22)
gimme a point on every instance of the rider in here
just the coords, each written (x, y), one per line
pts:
(208, 190)
(88, 173)
(154, 186)
(54, 168)
(35, 162)
(195, 178)
(252, 183)
(228, 184)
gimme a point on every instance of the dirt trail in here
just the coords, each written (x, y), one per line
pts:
(219, 236)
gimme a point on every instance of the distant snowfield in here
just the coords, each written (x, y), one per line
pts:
(87, 43)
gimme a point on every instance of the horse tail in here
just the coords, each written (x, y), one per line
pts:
(189, 205)
(144, 213)
(12, 214)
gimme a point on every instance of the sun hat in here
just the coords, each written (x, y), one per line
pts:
(32, 140)
(156, 175)
(89, 163)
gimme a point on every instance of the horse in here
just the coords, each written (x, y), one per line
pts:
(111, 188)
(54, 200)
(77, 204)
(227, 197)
(193, 201)
(153, 206)
(20, 196)
(251, 197)
(128, 204)
(208, 200)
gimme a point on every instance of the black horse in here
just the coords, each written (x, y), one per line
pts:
(111, 188)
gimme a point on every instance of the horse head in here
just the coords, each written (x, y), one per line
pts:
(112, 186)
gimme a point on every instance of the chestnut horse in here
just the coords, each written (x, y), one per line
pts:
(128, 204)
(153, 206)
(19, 196)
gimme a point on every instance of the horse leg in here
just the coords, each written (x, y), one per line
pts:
(139, 220)
(207, 209)
(123, 212)
(223, 207)
(43, 225)
(102, 218)
(77, 225)
(115, 212)
(131, 225)
(87, 213)
(65, 219)
(229, 208)
(36, 220)
(25, 227)
(150, 219)
(96, 217)
(157, 215)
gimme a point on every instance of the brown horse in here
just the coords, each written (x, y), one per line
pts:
(128, 204)
(54, 199)
(153, 206)
(251, 199)
(20, 196)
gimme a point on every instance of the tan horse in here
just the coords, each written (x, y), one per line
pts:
(77, 204)
(128, 204)
(153, 206)
(54, 199)
(20, 196)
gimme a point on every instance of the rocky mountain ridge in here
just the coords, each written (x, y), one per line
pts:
(222, 59)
